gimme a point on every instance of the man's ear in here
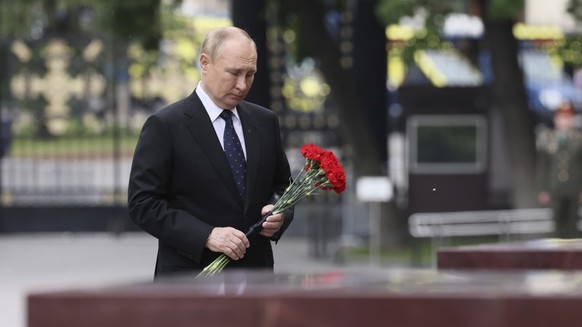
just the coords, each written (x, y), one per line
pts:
(204, 60)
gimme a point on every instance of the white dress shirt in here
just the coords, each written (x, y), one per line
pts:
(219, 124)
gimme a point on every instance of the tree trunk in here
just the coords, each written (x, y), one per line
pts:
(354, 129)
(250, 16)
(358, 93)
(509, 97)
(369, 70)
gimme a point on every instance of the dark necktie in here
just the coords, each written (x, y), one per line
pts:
(234, 153)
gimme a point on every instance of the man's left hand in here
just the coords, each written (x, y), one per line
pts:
(273, 223)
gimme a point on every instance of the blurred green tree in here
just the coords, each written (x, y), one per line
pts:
(130, 20)
(119, 23)
(250, 15)
(508, 89)
(355, 70)
(509, 96)
(348, 42)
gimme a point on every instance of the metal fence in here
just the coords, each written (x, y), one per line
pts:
(81, 177)
(71, 114)
(68, 131)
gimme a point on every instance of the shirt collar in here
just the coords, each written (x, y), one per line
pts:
(211, 108)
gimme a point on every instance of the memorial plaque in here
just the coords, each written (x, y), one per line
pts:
(562, 254)
(382, 297)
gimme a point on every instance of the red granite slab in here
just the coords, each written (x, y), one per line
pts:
(403, 298)
(559, 254)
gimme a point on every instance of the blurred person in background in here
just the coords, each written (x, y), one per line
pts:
(6, 118)
(559, 170)
(182, 189)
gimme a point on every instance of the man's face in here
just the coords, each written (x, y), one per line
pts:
(564, 121)
(228, 79)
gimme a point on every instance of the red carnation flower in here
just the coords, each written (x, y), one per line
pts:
(322, 171)
(312, 152)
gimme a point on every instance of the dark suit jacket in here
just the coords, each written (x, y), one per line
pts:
(181, 186)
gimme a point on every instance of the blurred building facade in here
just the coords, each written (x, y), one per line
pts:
(446, 136)
(541, 13)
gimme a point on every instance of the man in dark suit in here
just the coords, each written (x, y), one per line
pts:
(182, 189)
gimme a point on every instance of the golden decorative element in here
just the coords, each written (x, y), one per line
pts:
(174, 75)
(18, 86)
(21, 50)
(92, 123)
(7, 198)
(93, 50)
(58, 86)
(169, 82)
(563, 176)
(306, 93)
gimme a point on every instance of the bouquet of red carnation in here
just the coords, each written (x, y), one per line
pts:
(322, 171)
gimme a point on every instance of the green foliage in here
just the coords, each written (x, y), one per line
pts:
(127, 21)
(433, 12)
(569, 50)
(390, 12)
(17, 17)
(133, 20)
(575, 9)
(505, 9)
(288, 20)
(73, 147)
(424, 40)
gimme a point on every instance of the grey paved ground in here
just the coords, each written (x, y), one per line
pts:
(40, 262)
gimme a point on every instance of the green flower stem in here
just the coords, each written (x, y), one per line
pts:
(215, 267)
(305, 184)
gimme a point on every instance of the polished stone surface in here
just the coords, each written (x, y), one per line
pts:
(379, 297)
(562, 254)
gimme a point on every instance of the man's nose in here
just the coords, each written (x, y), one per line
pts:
(241, 83)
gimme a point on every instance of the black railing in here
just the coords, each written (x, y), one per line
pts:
(71, 114)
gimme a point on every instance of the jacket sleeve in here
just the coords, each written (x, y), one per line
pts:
(149, 198)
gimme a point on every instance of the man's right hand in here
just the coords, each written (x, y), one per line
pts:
(232, 242)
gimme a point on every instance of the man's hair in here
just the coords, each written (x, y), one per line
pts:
(215, 39)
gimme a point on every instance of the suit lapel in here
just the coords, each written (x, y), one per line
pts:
(252, 146)
(203, 132)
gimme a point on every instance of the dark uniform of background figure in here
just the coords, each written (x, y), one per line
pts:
(560, 170)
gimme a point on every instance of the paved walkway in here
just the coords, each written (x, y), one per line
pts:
(42, 262)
